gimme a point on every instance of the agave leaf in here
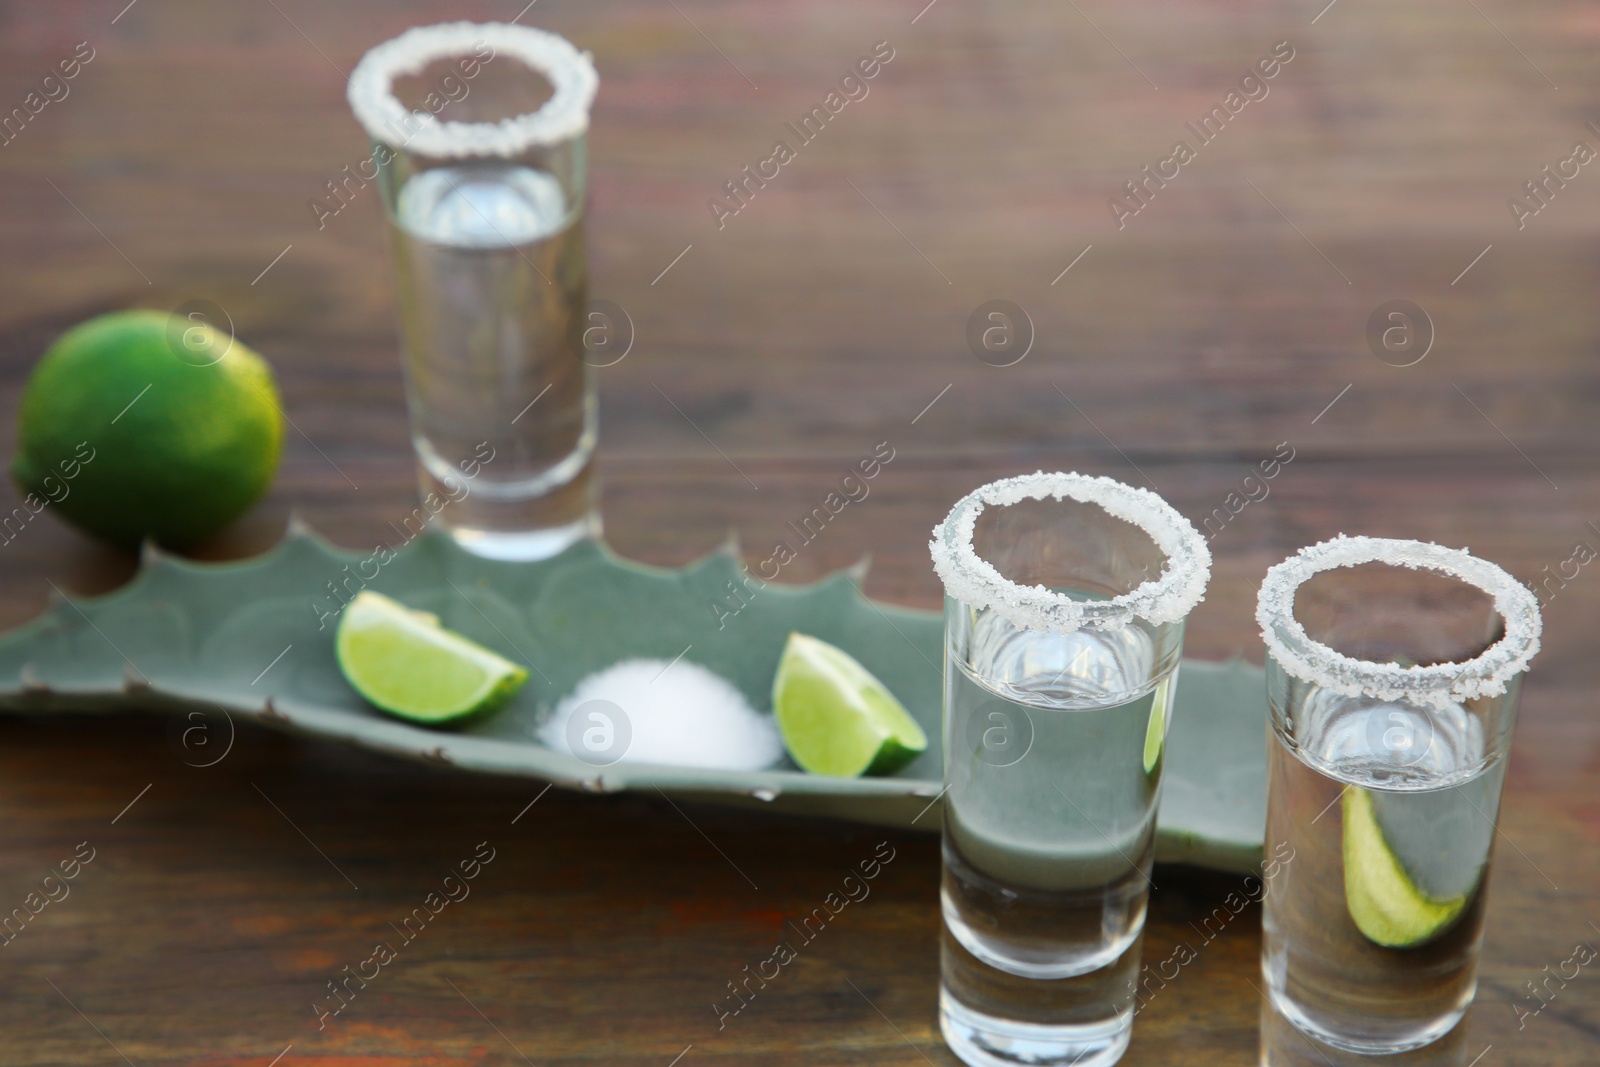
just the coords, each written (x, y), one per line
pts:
(255, 638)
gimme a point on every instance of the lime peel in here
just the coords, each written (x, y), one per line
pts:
(1155, 734)
(1384, 901)
(406, 663)
(183, 423)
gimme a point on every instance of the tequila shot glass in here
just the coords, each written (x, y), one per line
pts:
(1065, 601)
(1392, 675)
(484, 187)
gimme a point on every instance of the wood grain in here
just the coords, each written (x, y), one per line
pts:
(825, 317)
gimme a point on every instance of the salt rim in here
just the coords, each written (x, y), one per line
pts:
(565, 115)
(975, 581)
(1437, 685)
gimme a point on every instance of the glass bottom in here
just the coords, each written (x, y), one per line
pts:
(523, 546)
(521, 521)
(1414, 1037)
(991, 1016)
(989, 1041)
(1284, 1044)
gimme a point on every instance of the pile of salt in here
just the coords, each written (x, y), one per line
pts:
(653, 711)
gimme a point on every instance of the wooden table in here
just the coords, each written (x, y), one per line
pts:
(1229, 314)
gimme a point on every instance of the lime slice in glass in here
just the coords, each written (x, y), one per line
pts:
(404, 662)
(1155, 734)
(1384, 899)
(835, 717)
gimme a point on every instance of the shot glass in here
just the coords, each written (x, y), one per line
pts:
(484, 189)
(1392, 676)
(1065, 601)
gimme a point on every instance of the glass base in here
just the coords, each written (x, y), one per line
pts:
(1372, 1040)
(515, 520)
(1283, 1044)
(987, 1041)
(524, 546)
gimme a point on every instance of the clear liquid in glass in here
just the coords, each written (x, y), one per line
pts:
(1391, 810)
(493, 285)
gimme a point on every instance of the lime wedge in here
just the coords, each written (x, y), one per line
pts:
(404, 662)
(835, 717)
(1155, 735)
(1384, 900)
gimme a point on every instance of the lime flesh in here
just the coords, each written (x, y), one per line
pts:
(407, 664)
(1385, 902)
(835, 717)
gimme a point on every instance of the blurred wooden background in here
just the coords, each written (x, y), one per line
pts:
(1229, 315)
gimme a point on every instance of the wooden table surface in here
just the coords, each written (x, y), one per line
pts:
(1228, 315)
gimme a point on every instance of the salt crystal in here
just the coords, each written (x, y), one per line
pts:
(1437, 685)
(977, 583)
(565, 115)
(680, 714)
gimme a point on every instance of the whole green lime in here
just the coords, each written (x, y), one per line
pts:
(143, 424)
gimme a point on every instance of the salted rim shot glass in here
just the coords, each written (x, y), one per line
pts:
(1393, 668)
(479, 135)
(1065, 602)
